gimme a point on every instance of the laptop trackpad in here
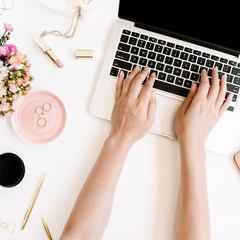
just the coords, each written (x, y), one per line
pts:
(165, 117)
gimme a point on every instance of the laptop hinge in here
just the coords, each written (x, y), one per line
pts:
(188, 39)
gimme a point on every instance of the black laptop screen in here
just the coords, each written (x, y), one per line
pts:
(208, 21)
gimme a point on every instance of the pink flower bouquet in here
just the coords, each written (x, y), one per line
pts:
(15, 77)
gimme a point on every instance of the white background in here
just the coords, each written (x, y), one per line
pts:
(148, 188)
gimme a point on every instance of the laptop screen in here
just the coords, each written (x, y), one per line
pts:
(213, 22)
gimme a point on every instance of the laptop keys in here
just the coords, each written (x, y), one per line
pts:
(122, 64)
(164, 86)
(132, 41)
(236, 71)
(124, 47)
(124, 38)
(176, 66)
(114, 72)
(122, 55)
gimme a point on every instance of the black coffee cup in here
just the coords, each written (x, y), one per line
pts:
(12, 169)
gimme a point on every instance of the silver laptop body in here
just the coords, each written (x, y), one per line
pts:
(222, 138)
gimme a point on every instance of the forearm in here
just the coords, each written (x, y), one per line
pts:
(132, 117)
(92, 209)
(192, 212)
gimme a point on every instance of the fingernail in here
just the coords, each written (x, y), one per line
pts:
(153, 74)
(193, 87)
(121, 74)
(146, 68)
(136, 68)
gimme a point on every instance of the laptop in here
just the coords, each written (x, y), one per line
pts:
(176, 40)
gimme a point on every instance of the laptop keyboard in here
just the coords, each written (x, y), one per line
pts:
(176, 66)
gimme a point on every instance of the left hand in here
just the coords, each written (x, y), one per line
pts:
(135, 106)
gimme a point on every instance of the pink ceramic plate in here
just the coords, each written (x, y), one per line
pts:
(40, 117)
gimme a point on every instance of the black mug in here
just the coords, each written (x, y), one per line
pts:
(12, 170)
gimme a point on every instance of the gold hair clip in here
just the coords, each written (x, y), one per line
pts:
(10, 227)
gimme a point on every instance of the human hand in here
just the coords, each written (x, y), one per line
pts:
(135, 106)
(202, 109)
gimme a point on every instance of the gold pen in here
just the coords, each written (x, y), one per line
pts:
(46, 229)
(29, 210)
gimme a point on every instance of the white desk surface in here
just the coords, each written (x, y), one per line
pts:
(148, 188)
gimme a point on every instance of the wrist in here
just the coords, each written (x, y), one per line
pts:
(194, 142)
(192, 152)
(119, 142)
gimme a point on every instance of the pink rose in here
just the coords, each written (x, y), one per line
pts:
(19, 81)
(17, 59)
(11, 48)
(20, 57)
(8, 27)
(13, 88)
(14, 61)
(4, 50)
(3, 91)
(4, 107)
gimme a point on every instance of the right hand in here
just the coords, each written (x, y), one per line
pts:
(202, 109)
